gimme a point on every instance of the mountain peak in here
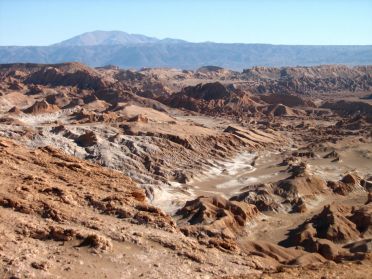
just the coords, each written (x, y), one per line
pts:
(99, 37)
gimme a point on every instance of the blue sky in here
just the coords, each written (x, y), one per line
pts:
(326, 22)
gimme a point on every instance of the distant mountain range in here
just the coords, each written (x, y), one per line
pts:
(100, 48)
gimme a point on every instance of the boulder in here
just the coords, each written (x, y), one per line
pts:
(87, 139)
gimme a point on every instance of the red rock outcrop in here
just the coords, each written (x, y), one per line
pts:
(41, 107)
(15, 110)
(68, 74)
(261, 196)
(333, 225)
(212, 98)
(349, 183)
(282, 110)
(349, 108)
(288, 100)
(362, 217)
(215, 217)
(300, 184)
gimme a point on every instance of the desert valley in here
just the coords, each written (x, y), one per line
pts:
(165, 173)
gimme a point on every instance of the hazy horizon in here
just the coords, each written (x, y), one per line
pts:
(199, 42)
(288, 22)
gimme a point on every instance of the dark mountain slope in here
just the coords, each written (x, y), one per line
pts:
(125, 50)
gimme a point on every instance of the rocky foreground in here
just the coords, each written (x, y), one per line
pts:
(163, 173)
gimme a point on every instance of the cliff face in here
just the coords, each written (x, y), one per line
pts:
(327, 78)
